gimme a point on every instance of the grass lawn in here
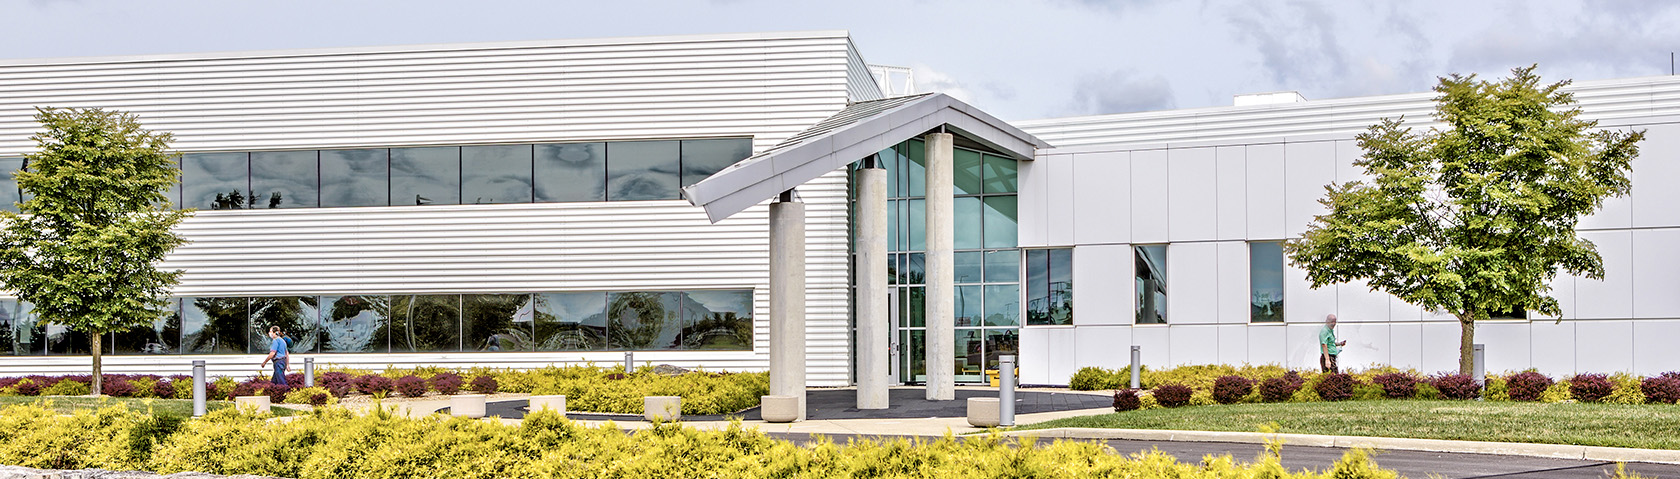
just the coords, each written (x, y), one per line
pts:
(172, 407)
(1651, 426)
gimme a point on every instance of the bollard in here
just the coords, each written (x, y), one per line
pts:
(198, 388)
(308, 372)
(1006, 390)
(1478, 369)
(629, 362)
(1137, 365)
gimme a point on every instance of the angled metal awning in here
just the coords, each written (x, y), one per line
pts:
(859, 130)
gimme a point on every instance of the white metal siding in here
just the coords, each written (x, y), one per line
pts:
(861, 85)
(766, 86)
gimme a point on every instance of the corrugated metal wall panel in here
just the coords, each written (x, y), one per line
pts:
(1600, 100)
(860, 83)
(767, 86)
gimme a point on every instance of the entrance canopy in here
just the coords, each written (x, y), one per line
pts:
(859, 130)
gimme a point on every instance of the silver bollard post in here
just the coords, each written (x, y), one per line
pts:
(629, 362)
(1137, 367)
(308, 372)
(1006, 390)
(198, 388)
(1478, 369)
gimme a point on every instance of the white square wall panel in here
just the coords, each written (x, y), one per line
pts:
(1655, 173)
(1102, 346)
(1033, 201)
(1347, 152)
(1356, 303)
(1061, 201)
(1563, 289)
(1439, 348)
(1656, 273)
(1267, 344)
(1617, 213)
(1194, 344)
(1552, 346)
(1233, 344)
(1192, 193)
(1103, 286)
(1265, 191)
(1154, 342)
(1301, 302)
(1367, 345)
(1309, 168)
(1234, 302)
(1192, 279)
(1611, 298)
(1405, 342)
(1149, 196)
(1063, 357)
(1303, 349)
(1103, 185)
(1603, 346)
(1035, 356)
(1231, 176)
(1654, 350)
(1506, 345)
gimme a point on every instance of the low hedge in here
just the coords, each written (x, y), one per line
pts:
(332, 443)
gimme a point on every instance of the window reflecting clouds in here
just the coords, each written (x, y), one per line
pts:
(355, 177)
(642, 170)
(426, 176)
(285, 179)
(215, 181)
(571, 172)
(702, 158)
(496, 174)
(571, 321)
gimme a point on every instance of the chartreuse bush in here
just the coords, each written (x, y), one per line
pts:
(332, 443)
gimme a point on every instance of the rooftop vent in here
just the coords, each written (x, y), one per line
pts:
(1272, 98)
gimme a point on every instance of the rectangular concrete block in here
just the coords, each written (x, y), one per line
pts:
(662, 408)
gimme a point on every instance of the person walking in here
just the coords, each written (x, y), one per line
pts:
(1328, 346)
(277, 352)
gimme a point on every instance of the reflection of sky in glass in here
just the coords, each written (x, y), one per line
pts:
(1265, 278)
(966, 223)
(355, 178)
(284, 179)
(967, 302)
(584, 308)
(701, 158)
(965, 172)
(205, 175)
(1000, 174)
(738, 302)
(1000, 221)
(9, 195)
(1003, 266)
(353, 332)
(642, 170)
(496, 174)
(1003, 305)
(968, 266)
(426, 176)
(571, 172)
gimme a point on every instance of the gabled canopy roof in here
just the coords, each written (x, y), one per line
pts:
(859, 130)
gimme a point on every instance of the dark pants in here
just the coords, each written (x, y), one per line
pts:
(1327, 362)
(279, 371)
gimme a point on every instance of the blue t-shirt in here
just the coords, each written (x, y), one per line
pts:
(279, 347)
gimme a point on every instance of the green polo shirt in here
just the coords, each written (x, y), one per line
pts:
(1327, 337)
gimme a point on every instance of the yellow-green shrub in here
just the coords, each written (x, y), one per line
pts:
(311, 396)
(67, 388)
(1094, 379)
(33, 435)
(1626, 389)
(1495, 388)
(1559, 392)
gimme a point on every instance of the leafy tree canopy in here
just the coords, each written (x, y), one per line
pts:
(1475, 216)
(85, 247)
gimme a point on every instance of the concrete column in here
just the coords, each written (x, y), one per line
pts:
(941, 271)
(873, 329)
(787, 299)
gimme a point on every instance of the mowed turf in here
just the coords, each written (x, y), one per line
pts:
(169, 407)
(1650, 426)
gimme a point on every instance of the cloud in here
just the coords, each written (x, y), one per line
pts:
(1336, 49)
(1601, 40)
(931, 80)
(1120, 91)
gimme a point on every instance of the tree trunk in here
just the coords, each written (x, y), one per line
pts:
(1466, 344)
(98, 373)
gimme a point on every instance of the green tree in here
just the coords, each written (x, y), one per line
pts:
(1478, 215)
(84, 249)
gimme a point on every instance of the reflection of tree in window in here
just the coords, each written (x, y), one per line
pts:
(1151, 279)
(161, 337)
(351, 323)
(220, 328)
(717, 320)
(296, 315)
(571, 321)
(498, 322)
(424, 323)
(635, 320)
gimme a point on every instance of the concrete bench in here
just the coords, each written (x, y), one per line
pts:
(467, 405)
(983, 412)
(555, 403)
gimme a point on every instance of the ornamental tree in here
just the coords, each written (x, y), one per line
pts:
(85, 247)
(1477, 215)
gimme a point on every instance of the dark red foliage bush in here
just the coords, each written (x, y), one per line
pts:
(1126, 400)
(1334, 387)
(164, 388)
(411, 386)
(277, 392)
(319, 398)
(32, 387)
(484, 384)
(294, 380)
(1457, 386)
(1280, 389)
(1675, 375)
(1396, 385)
(338, 383)
(374, 384)
(1527, 386)
(616, 376)
(1590, 387)
(249, 388)
(1172, 395)
(1231, 389)
(1664, 389)
(446, 383)
(118, 387)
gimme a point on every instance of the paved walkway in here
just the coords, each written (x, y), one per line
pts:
(837, 404)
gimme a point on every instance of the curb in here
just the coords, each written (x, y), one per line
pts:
(1559, 451)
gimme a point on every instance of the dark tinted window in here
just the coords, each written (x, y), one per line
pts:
(702, 158)
(214, 325)
(644, 320)
(424, 324)
(497, 322)
(1265, 281)
(355, 177)
(426, 176)
(642, 170)
(25, 336)
(215, 181)
(1151, 282)
(571, 172)
(285, 179)
(354, 324)
(295, 315)
(496, 174)
(718, 320)
(163, 336)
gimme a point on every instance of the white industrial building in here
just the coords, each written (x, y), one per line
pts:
(532, 203)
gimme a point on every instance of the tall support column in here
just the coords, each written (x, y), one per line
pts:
(872, 322)
(940, 275)
(787, 299)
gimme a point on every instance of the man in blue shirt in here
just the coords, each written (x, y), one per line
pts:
(277, 353)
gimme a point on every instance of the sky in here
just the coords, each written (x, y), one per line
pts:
(1016, 59)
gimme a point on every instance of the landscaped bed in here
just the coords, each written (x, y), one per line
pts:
(333, 443)
(165, 407)
(1618, 425)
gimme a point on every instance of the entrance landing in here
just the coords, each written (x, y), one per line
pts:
(830, 404)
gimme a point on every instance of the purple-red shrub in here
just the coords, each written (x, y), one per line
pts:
(294, 380)
(251, 387)
(1397, 385)
(164, 388)
(1457, 386)
(1231, 389)
(446, 383)
(319, 398)
(116, 386)
(1172, 395)
(1280, 389)
(276, 392)
(1590, 387)
(1664, 389)
(1126, 400)
(1527, 386)
(1334, 387)
(484, 384)
(338, 383)
(32, 387)
(372, 384)
(411, 386)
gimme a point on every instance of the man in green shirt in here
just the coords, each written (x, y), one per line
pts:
(1328, 346)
